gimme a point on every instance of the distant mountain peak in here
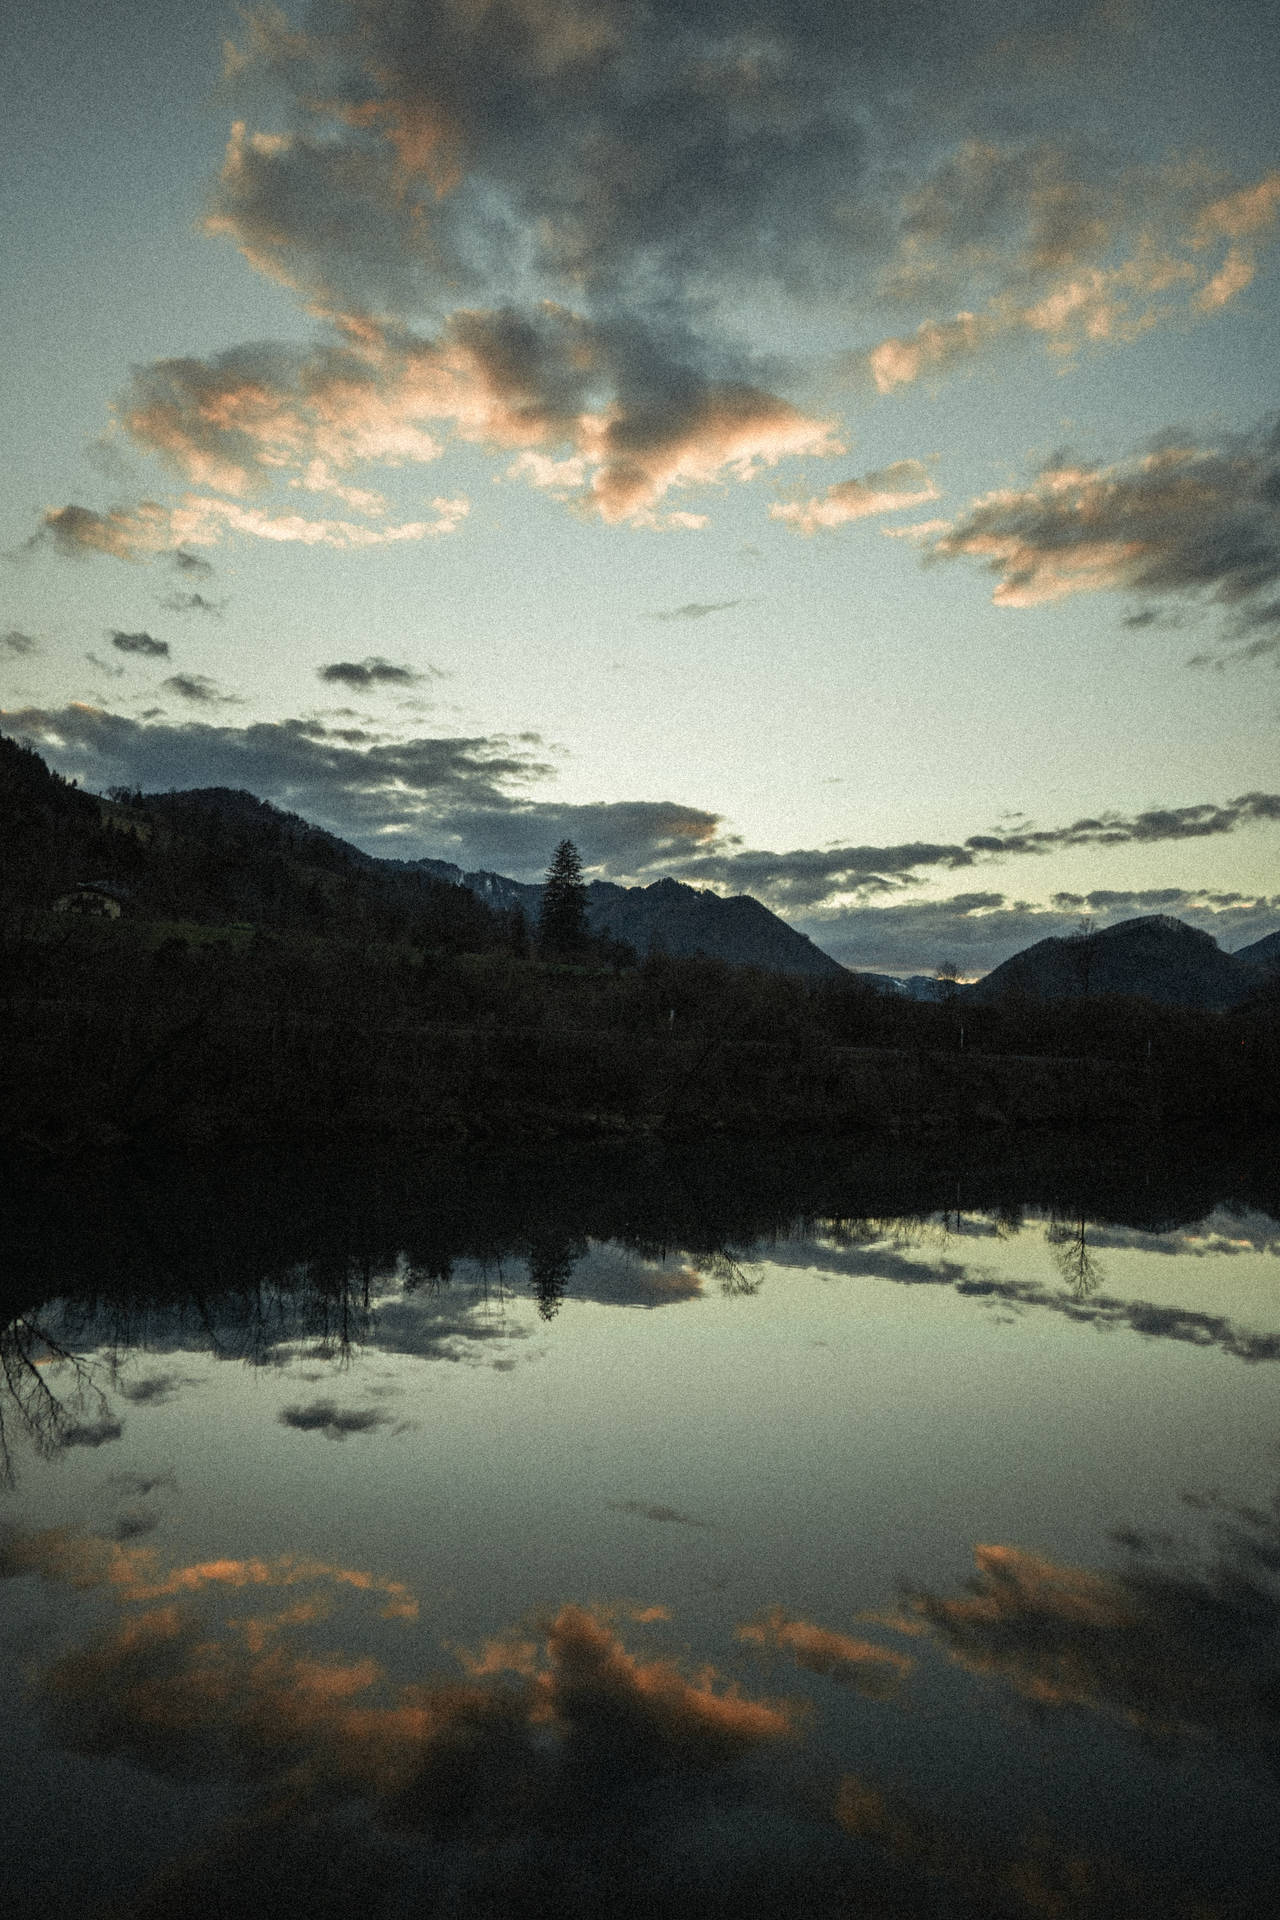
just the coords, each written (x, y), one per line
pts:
(1154, 955)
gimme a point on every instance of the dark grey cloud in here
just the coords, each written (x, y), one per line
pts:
(191, 563)
(1197, 523)
(468, 799)
(532, 226)
(1186, 1326)
(200, 690)
(1177, 1642)
(139, 1485)
(144, 644)
(15, 641)
(112, 668)
(324, 1416)
(802, 879)
(445, 796)
(133, 1523)
(373, 671)
(665, 1516)
(153, 1389)
(91, 1433)
(696, 609)
(673, 152)
(193, 603)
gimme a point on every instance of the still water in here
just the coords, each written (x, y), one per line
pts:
(669, 1534)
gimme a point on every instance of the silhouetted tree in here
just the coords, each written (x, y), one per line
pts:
(947, 978)
(1084, 947)
(562, 921)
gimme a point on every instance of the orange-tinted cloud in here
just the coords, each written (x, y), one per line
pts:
(564, 391)
(1074, 261)
(865, 1665)
(84, 1561)
(1171, 1648)
(177, 1688)
(905, 484)
(1178, 519)
(139, 533)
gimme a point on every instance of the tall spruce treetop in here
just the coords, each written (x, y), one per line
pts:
(562, 921)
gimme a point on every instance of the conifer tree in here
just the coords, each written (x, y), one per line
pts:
(562, 921)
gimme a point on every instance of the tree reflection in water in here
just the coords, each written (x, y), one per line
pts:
(30, 1408)
(1074, 1258)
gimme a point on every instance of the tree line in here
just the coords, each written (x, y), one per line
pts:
(267, 982)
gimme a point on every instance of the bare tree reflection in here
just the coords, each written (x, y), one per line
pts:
(1074, 1258)
(727, 1271)
(30, 1408)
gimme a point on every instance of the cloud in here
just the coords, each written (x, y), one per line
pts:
(596, 241)
(449, 796)
(865, 1665)
(639, 421)
(15, 641)
(153, 1389)
(112, 668)
(1174, 1650)
(142, 531)
(193, 603)
(531, 1729)
(126, 533)
(1067, 247)
(807, 877)
(934, 346)
(665, 1516)
(134, 1523)
(980, 930)
(1199, 523)
(905, 484)
(470, 800)
(141, 1484)
(323, 1416)
(91, 1433)
(191, 563)
(695, 609)
(144, 644)
(199, 689)
(1073, 1256)
(369, 672)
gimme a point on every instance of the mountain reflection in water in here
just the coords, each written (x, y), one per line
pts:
(815, 1719)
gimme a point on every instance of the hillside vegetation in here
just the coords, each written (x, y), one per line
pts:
(267, 982)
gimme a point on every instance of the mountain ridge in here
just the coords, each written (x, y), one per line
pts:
(668, 915)
(1155, 955)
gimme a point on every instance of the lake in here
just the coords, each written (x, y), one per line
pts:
(699, 1530)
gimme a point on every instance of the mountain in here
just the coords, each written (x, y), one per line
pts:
(1156, 956)
(218, 854)
(1264, 953)
(214, 857)
(668, 915)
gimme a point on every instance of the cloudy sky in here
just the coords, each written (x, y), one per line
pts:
(828, 452)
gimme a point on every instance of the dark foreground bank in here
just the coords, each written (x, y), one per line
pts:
(120, 1034)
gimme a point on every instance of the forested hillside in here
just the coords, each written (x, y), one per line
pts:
(266, 982)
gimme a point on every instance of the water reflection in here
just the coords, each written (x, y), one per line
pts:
(1075, 1260)
(575, 1765)
(1176, 1644)
(431, 1262)
(49, 1418)
(446, 1709)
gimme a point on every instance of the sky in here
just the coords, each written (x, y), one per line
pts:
(824, 452)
